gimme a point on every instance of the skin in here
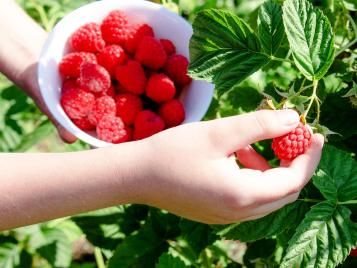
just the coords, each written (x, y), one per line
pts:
(189, 170)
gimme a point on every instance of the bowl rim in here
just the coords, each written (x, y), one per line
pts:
(41, 68)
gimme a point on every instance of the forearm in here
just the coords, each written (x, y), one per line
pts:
(40, 187)
(21, 40)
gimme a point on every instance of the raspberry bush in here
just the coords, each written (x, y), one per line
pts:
(298, 54)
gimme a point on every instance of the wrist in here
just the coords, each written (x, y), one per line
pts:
(132, 171)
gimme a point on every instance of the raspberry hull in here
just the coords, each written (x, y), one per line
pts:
(293, 144)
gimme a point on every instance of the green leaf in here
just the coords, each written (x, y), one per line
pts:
(106, 228)
(271, 28)
(350, 4)
(56, 247)
(140, 249)
(166, 260)
(224, 50)
(197, 235)
(240, 100)
(336, 176)
(323, 239)
(11, 254)
(268, 226)
(310, 36)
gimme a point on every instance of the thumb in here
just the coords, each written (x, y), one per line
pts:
(236, 132)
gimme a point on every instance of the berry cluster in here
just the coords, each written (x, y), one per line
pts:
(122, 82)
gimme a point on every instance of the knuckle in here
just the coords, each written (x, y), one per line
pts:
(234, 201)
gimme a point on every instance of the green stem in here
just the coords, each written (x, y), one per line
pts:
(99, 258)
(280, 59)
(350, 202)
(313, 98)
(309, 200)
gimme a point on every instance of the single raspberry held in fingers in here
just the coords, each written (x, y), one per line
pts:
(111, 57)
(147, 123)
(70, 65)
(136, 34)
(128, 107)
(102, 107)
(77, 103)
(160, 88)
(131, 77)
(176, 68)
(88, 38)
(295, 143)
(151, 53)
(172, 112)
(115, 28)
(94, 77)
(112, 129)
(168, 46)
(84, 124)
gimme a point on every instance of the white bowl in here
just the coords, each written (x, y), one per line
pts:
(166, 24)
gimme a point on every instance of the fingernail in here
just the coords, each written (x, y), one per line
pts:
(288, 117)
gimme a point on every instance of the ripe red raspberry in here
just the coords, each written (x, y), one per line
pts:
(176, 68)
(147, 123)
(112, 129)
(128, 107)
(114, 28)
(291, 145)
(168, 46)
(70, 65)
(102, 106)
(151, 53)
(131, 77)
(87, 38)
(111, 57)
(136, 34)
(84, 124)
(69, 84)
(353, 252)
(172, 112)
(77, 103)
(94, 78)
(160, 88)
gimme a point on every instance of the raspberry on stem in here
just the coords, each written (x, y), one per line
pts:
(293, 144)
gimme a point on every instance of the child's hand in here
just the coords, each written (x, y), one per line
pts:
(193, 172)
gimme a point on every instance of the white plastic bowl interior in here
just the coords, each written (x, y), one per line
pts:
(166, 24)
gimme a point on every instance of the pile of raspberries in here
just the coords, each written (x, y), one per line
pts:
(122, 82)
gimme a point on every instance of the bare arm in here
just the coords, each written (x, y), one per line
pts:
(39, 187)
(21, 40)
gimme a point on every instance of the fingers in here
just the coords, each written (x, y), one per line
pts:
(249, 158)
(277, 183)
(64, 134)
(236, 132)
(266, 209)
